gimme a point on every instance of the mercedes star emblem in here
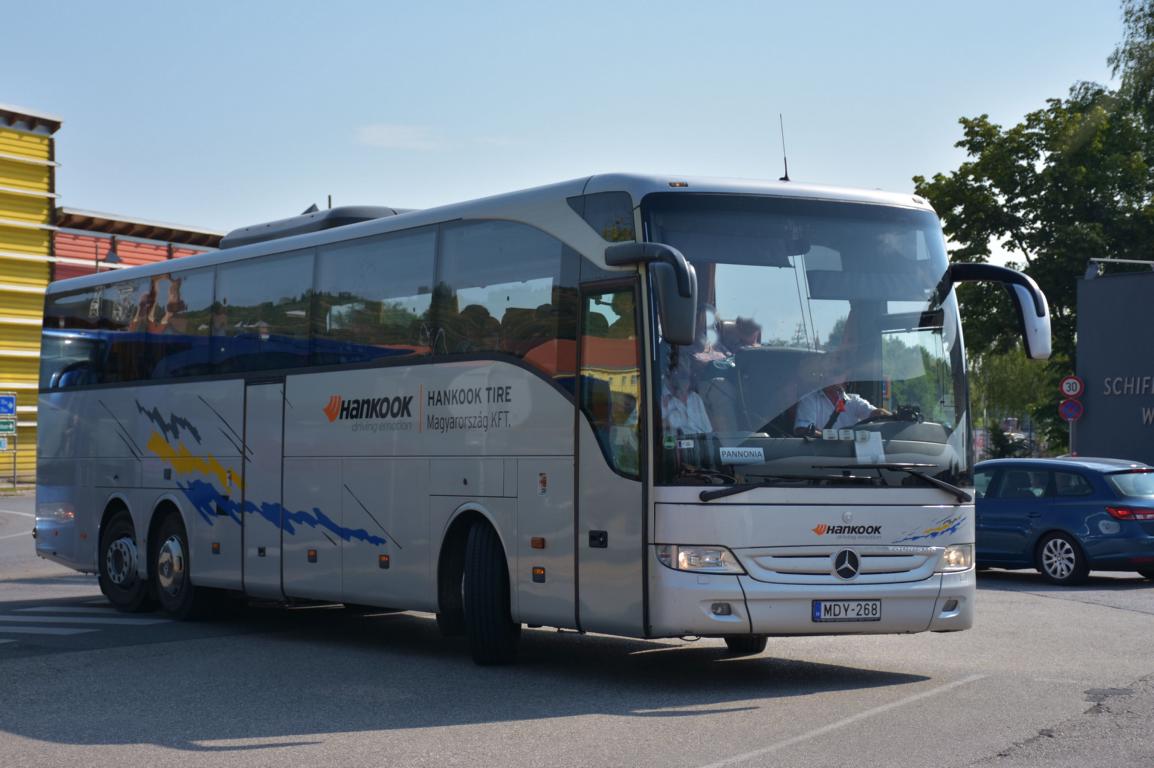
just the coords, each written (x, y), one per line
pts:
(846, 564)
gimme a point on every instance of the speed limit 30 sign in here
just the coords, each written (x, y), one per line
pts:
(1072, 386)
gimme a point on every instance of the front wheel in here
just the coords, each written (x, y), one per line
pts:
(493, 635)
(119, 566)
(746, 645)
(1061, 561)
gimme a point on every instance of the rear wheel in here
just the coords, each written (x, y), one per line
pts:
(119, 566)
(746, 645)
(171, 573)
(1147, 573)
(1061, 561)
(493, 635)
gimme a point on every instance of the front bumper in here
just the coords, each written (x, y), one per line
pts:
(682, 603)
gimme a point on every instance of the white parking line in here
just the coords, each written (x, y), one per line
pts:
(26, 534)
(43, 631)
(14, 512)
(843, 723)
(85, 620)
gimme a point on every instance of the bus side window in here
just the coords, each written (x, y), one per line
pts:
(261, 313)
(373, 298)
(504, 289)
(610, 376)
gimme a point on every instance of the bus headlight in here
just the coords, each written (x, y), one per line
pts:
(698, 559)
(957, 557)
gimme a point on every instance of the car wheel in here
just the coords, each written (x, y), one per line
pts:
(493, 635)
(119, 574)
(1061, 561)
(746, 645)
(171, 572)
(1147, 573)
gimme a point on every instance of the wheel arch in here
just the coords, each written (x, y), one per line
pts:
(451, 552)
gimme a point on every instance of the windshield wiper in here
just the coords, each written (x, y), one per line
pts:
(915, 471)
(769, 480)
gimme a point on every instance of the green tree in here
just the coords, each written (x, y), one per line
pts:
(1073, 180)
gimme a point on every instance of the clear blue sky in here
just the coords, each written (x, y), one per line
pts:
(221, 114)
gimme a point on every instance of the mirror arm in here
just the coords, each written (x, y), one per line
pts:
(967, 272)
(625, 254)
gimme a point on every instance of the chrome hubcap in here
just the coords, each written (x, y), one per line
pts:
(1058, 558)
(120, 561)
(170, 566)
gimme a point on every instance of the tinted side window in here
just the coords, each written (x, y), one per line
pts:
(610, 367)
(609, 213)
(181, 323)
(373, 298)
(261, 313)
(1023, 484)
(126, 311)
(71, 348)
(506, 288)
(982, 482)
(1071, 484)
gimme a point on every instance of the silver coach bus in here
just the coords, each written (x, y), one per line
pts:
(644, 406)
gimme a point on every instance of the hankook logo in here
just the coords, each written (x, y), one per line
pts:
(400, 406)
(847, 530)
(846, 564)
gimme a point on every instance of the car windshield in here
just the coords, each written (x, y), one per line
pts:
(1137, 483)
(822, 343)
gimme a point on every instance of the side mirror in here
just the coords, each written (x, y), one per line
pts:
(1032, 309)
(675, 282)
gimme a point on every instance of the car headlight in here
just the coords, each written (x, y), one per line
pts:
(957, 557)
(698, 559)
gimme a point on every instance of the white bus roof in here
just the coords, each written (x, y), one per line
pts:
(548, 202)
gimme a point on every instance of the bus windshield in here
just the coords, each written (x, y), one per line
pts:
(824, 348)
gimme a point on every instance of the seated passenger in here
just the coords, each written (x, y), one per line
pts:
(831, 407)
(682, 409)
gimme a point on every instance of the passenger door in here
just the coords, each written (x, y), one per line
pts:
(611, 530)
(261, 503)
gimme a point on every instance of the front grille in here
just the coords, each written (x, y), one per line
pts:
(814, 565)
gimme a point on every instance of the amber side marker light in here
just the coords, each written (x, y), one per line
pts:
(538, 574)
(679, 184)
(383, 561)
(312, 553)
(537, 542)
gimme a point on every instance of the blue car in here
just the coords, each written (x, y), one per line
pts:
(1065, 516)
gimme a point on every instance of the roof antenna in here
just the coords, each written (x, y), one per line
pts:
(784, 159)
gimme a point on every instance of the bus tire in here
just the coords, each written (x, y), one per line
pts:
(746, 645)
(171, 571)
(119, 575)
(493, 635)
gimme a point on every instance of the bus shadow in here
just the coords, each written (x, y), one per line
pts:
(288, 677)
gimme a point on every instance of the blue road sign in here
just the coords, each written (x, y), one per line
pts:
(7, 405)
(1070, 410)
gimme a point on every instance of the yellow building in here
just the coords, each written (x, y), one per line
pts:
(27, 218)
